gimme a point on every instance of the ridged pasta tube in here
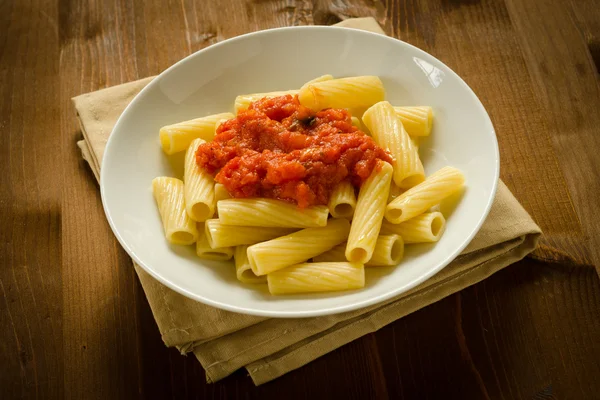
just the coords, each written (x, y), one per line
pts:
(243, 101)
(220, 192)
(416, 120)
(425, 228)
(220, 235)
(270, 212)
(243, 271)
(296, 247)
(203, 249)
(368, 214)
(342, 200)
(358, 92)
(199, 186)
(389, 250)
(388, 132)
(179, 228)
(418, 199)
(317, 277)
(177, 137)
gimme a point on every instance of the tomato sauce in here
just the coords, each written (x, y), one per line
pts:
(280, 149)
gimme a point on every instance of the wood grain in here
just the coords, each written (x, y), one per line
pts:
(74, 320)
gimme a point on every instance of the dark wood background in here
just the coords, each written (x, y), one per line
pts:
(74, 321)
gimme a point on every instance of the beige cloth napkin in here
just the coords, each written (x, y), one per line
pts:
(224, 341)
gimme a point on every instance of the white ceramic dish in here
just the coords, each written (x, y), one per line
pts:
(208, 81)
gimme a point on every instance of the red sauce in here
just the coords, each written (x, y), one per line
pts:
(280, 149)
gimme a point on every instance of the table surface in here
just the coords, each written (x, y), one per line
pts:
(74, 320)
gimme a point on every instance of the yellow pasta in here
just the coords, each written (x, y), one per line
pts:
(357, 92)
(243, 101)
(321, 78)
(203, 249)
(418, 199)
(177, 137)
(425, 228)
(416, 120)
(342, 200)
(178, 226)
(389, 250)
(317, 277)
(296, 247)
(242, 267)
(388, 132)
(221, 193)
(395, 191)
(220, 235)
(270, 213)
(368, 214)
(199, 186)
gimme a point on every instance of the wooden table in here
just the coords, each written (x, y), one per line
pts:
(74, 320)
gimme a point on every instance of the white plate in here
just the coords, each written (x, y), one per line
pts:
(278, 59)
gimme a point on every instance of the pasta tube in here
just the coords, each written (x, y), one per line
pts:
(199, 186)
(342, 200)
(270, 213)
(203, 249)
(389, 250)
(220, 192)
(418, 199)
(296, 247)
(317, 277)
(177, 137)
(337, 254)
(357, 92)
(395, 191)
(243, 101)
(242, 267)
(416, 120)
(388, 132)
(425, 228)
(169, 195)
(220, 235)
(368, 214)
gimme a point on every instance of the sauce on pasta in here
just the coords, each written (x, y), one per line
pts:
(280, 149)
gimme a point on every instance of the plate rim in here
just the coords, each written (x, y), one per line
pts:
(301, 313)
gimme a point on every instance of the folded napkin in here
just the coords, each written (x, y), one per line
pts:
(268, 347)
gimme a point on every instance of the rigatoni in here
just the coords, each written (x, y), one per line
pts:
(179, 228)
(177, 137)
(220, 235)
(203, 249)
(388, 132)
(243, 101)
(425, 228)
(243, 271)
(220, 192)
(199, 186)
(389, 250)
(342, 200)
(355, 93)
(270, 213)
(368, 214)
(296, 247)
(317, 277)
(416, 120)
(418, 199)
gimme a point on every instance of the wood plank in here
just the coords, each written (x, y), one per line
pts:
(30, 284)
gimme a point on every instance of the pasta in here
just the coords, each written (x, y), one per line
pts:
(203, 249)
(418, 199)
(416, 120)
(262, 192)
(317, 277)
(270, 213)
(242, 267)
(220, 235)
(425, 228)
(169, 196)
(177, 137)
(354, 93)
(296, 247)
(342, 201)
(199, 186)
(368, 214)
(388, 132)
